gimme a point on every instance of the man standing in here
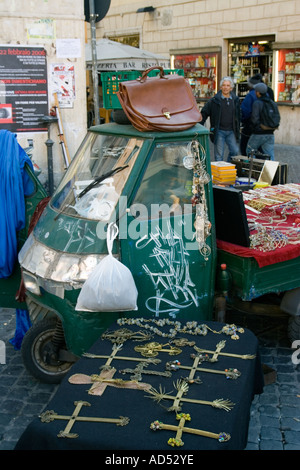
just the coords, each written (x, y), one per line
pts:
(224, 112)
(246, 110)
(263, 125)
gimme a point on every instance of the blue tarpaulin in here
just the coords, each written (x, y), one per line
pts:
(14, 185)
(23, 324)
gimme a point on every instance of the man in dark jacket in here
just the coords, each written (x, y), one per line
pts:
(260, 138)
(224, 112)
(246, 110)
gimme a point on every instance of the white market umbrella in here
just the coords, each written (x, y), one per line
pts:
(112, 55)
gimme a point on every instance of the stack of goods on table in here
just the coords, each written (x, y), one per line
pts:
(223, 173)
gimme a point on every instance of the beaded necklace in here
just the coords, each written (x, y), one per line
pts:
(190, 327)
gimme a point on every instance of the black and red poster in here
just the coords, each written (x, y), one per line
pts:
(23, 88)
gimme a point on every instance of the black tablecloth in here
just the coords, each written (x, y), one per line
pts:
(142, 410)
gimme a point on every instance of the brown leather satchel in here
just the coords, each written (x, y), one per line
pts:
(163, 103)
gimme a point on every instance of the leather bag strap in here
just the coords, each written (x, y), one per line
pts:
(145, 73)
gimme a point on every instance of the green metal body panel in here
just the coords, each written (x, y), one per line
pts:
(75, 235)
(10, 285)
(249, 281)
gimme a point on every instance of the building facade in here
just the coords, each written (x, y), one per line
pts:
(42, 53)
(210, 39)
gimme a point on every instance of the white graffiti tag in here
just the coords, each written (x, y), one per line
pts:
(174, 289)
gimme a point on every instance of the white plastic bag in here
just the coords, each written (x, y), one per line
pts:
(110, 286)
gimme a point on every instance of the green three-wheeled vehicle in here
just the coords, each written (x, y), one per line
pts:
(155, 188)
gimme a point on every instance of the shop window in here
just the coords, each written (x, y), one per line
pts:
(247, 59)
(288, 77)
(201, 71)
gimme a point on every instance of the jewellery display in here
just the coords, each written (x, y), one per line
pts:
(268, 239)
(183, 399)
(50, 415)
(183, 417)
(190, 327)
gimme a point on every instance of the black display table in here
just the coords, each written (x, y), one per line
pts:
(138, 408)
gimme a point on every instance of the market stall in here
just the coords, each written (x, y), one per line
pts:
(190, 389)
(270, 260)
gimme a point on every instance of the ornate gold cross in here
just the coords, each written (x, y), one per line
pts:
(180, 429)
(105, 379)
(115, 349)
(50, 415)
(153, 349)
(140, 369)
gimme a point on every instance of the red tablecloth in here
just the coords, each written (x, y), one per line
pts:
(263, 258)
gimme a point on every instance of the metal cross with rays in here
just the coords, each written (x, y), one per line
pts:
(123, 334)
(182, 388)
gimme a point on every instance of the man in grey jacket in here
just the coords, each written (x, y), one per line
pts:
(224, 112)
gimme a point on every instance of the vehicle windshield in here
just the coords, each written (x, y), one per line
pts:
(167, 179)
(96, 177)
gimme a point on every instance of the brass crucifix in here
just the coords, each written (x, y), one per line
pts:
(153, 349)
(50, 415)
(199, 358)
(217, 352)
(180, 429)
(105, 378)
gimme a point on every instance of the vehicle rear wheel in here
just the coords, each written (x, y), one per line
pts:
(41, 356)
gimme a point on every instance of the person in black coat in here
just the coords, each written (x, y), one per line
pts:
(224, 112)
(246, 109)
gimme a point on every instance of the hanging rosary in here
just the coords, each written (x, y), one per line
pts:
(200, 179)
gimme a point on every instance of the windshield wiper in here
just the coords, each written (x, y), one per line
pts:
(101, 178)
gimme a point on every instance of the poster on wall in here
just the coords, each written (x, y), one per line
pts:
(62, 82)
(23, 88)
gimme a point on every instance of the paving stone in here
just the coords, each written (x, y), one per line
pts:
(271, 445)
(292, 437)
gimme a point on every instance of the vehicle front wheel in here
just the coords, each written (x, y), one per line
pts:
(41, 357)
(294, 328)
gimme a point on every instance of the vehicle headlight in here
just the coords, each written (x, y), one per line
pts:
(31, 283)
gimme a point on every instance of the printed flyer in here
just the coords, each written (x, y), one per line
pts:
(23, 88)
